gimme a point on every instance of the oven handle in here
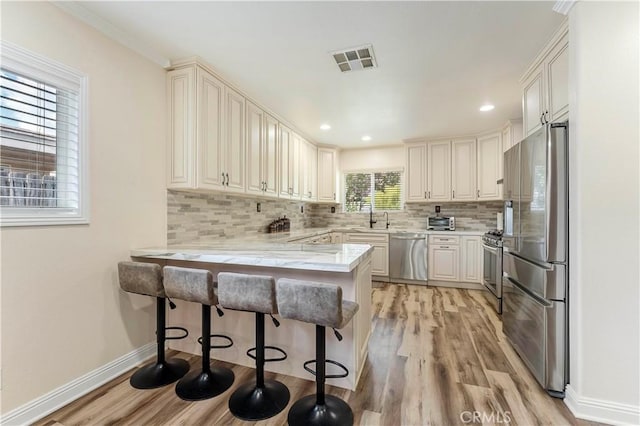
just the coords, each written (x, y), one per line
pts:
(489, 248)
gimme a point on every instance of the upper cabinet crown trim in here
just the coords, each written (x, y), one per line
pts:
(557, 37)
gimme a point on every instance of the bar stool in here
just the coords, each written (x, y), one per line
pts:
(259, 399)
(196, 285)
(320, 304)
(146, 279)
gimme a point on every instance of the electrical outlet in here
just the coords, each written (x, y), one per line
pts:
(437, 209)
(258, 208)
(333, 209)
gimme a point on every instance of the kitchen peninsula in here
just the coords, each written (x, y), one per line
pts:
(347, 265)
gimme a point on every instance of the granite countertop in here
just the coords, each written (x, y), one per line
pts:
(312, 257)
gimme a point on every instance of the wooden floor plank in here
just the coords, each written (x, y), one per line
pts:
(436, 355)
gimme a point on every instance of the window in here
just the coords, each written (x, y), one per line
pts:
(42, 141)
(379, 191)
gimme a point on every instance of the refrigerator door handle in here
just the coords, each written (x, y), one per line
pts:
(535, 297)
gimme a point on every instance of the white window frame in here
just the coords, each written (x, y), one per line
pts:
(343, 186)
(37, 67)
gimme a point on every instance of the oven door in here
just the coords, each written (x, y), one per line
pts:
(492, 275)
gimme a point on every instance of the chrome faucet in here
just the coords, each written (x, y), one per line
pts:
(371, 221)
(387, 215)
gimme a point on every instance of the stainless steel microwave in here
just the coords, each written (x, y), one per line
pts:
(439, 223)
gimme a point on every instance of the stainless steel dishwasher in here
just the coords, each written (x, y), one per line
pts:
(408, 257)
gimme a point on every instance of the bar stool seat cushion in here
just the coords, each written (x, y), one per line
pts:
(251, 293)
(141, 278)
(314, 302)
(192, 285)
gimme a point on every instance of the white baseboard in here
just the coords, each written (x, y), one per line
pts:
(58, 398)
(602, 411)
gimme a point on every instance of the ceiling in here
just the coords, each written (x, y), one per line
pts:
(438, 62)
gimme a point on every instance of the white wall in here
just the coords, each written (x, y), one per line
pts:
(390, 157)
(604, 197)
(63, 314)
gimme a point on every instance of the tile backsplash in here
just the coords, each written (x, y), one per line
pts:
(200, 217)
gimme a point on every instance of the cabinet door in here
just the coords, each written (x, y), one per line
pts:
(210, 94)
(255, 148)
(471, 259)
(270, 161)
(380, 260)
(489, 166)
(416, 172)
(533, 102)
(313, 172)
(443, 263)
(307, 168)
(284, 163)
(558, 82)
(294, 164)
(439, 171)
(182, 123)
(235, 143)
(326, 174)
(506, 138)
(463, 170)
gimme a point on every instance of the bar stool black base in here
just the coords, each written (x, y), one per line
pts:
(156, 375)
(199, 385)
(307, 412)
(249, 402)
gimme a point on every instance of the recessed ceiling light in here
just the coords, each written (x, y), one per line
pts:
(486, 107)
(366, 138)
(325, 127)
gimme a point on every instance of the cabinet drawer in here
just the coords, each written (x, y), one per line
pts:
(365, 238)
(444, 239)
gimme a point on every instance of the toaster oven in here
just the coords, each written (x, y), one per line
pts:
(439, 223)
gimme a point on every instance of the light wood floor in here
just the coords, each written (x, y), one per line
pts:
(436, 356)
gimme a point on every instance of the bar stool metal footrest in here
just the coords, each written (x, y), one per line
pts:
(180, 337)
(328, 376)
(273, 348)
(218, 336)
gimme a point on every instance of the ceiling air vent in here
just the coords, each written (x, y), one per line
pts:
(355, 58)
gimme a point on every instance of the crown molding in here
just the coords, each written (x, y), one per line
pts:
(564, 6)
(80, 12)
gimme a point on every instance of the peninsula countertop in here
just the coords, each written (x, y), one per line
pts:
(310, 257)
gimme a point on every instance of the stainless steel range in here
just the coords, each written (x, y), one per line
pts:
(492, 259)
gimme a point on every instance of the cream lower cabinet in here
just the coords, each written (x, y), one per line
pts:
(206, 144)
(471, 262)
(455, 258)
(380, 243)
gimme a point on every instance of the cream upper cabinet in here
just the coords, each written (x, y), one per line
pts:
(284, 162)
(327, 163)
(463, 170)
(308, 171)
(511, 134)
(206, 132)
(416, 177)
(545, 86)
(261, 161)
(471, 263)
(270, 152)
(289, 163)
(490, 166)
(439, 171)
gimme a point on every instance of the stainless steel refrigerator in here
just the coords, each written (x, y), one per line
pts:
(535, 256)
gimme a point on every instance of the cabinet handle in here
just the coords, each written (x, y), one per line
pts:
(454, 194)
(425, 194)
(227, 175)
(546, 116)
(429, 194)
(478, 192)
(334, 195)
(444, 246)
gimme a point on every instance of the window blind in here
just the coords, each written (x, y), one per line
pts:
(39, 162)
(380, 191)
